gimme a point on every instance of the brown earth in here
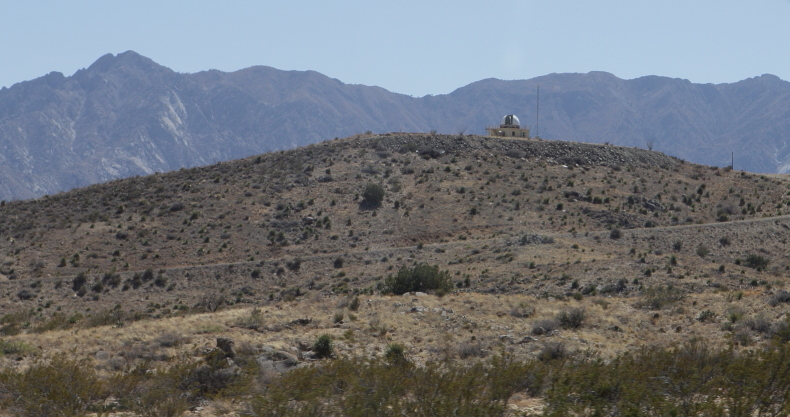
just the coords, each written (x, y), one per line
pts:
(652, 248)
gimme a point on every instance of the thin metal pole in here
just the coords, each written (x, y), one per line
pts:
(537, 116)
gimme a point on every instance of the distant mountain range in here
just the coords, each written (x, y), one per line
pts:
(126, 115)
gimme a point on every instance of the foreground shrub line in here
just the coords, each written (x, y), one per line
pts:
(686, 380)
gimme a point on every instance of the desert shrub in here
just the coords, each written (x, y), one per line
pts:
(109, 317)
(376, 388)
(759, 324)
(615, 234)
(541, 327)
(79, 281)
(211, 301)
(677, 245)
(170, 339)
(353, 305)
(688, 376)
(656, 298)
(702, 250)
(338, 263)
(552, 351)
(373, 195)
(422, 277)
(706, 315)
(743, 336)
(571, 318)
(58, 321)
(779, 298)
(757, 262)
(14, 348)
(294, 264)
(147, 275)
(471, 350)
(111, 280)
(323, 346)
(160, 281)
(338, 317)
(60, 387)
(396, 353)
(522, 310)
(253, 321)
(25, 294)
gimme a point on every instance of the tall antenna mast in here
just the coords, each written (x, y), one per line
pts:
(537, 116)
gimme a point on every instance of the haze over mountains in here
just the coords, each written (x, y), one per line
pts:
(125, 115)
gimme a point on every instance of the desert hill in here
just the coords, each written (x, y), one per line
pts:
(126, 115)
(272, 249)
(245, 221)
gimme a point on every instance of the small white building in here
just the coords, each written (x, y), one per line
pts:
(510, 128)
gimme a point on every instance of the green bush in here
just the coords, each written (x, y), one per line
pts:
(571, 318)
(659, 297)
(422, 277)
(757, 262)
(323, 346)
(60, 387)
(359, 387)
(14, 348)
(373, 195)
(396, 353)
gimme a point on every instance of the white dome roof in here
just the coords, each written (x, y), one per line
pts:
(510, 119)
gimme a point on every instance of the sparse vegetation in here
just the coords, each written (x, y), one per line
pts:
(421, 277)
(524, 243)
(757, 262)
(323, 346)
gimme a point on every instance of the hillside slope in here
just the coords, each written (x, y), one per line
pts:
(465, 200)
(554, 251)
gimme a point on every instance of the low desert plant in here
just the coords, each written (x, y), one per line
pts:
(373, 195)
(396, 353)
(542, 327)
(656, 298)
(471, 350)
(706, 315)
(757, 262)
(779, 298)
(59, 387)
(323, 346)
(421, 277)
(571, 318)
(552, 351)
(522, 310)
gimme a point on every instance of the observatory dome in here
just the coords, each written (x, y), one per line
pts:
(510, 120)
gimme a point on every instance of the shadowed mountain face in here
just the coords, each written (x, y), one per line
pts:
(125, 115)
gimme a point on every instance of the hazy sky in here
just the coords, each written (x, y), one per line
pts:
(414, 47)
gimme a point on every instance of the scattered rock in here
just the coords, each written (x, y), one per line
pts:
(271, 359)
(300, 322)
(227, 346)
